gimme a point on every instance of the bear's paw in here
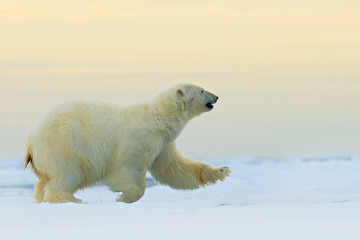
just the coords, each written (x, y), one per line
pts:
(222, 172)
(211, 175)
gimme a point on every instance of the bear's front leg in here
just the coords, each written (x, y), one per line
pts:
(128, 180)
(176, 171)
(209, 174)
(131, 195)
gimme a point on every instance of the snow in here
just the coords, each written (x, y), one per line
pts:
(264, 198)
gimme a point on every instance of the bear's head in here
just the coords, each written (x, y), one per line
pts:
(195, 100)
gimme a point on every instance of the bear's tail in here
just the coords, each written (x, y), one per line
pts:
(29, 156)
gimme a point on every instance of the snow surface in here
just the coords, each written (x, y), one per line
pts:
(264, 198)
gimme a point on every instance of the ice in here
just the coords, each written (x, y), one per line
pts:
(264, 198)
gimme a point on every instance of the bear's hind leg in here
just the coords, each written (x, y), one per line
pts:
(54, 192)
(60, 197)
(39, 189)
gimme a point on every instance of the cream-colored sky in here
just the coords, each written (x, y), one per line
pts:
(287, 72)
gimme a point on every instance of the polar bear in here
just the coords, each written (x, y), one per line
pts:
(80, 143)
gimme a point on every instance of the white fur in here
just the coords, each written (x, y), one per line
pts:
(80, 143)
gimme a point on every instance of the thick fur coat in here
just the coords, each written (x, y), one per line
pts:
(80, 143)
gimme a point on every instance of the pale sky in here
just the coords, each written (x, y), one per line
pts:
(287, 72)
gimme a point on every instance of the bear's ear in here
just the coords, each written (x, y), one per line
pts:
(180, 92)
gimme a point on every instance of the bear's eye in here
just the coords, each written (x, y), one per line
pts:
(202, 91)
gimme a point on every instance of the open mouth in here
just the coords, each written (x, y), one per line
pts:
(209, 105)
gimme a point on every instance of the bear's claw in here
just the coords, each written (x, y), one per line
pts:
(222, 173)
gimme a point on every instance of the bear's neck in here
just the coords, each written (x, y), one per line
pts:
(169, 117)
